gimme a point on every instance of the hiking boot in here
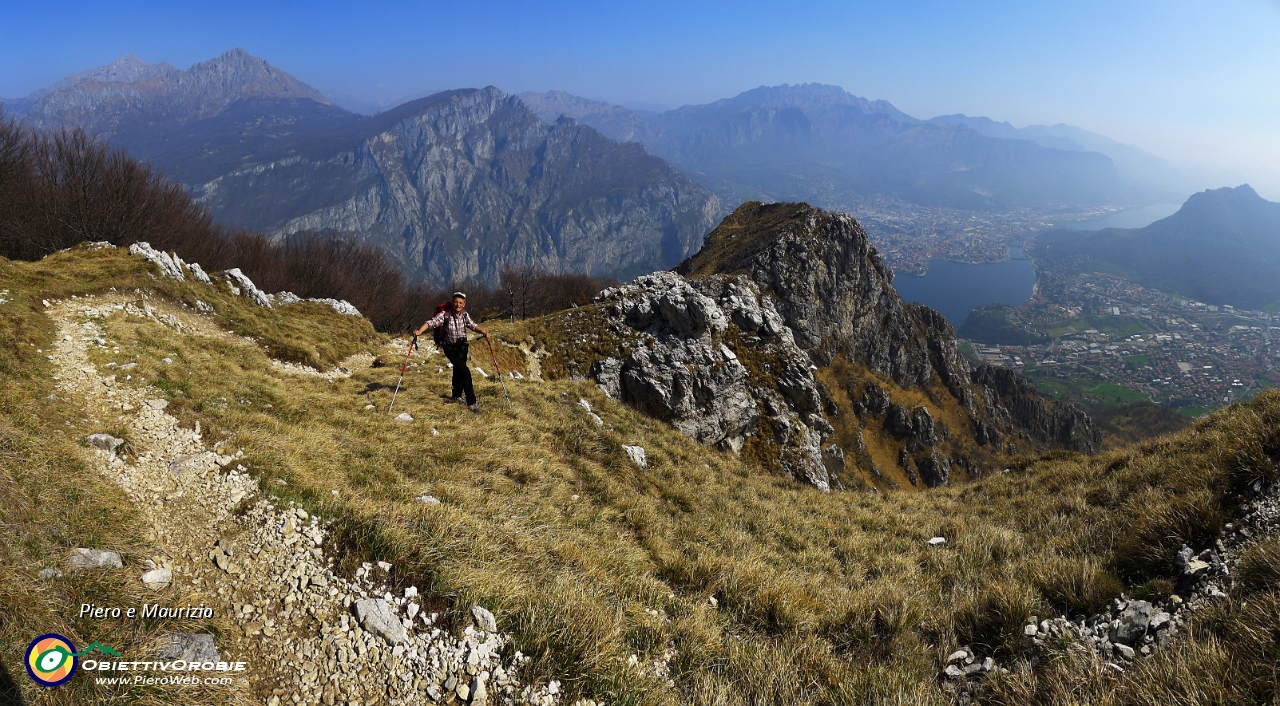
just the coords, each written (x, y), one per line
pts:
(474, 406)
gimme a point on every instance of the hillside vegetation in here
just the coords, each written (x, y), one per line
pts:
(727, 584)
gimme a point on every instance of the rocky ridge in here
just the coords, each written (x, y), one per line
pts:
(784, 336)
(114, 97)
(173, 267)
(217, 537)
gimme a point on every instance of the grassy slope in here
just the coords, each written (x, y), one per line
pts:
(822, 598)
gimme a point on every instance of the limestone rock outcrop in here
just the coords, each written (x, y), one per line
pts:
(682, 361)
(736, 347)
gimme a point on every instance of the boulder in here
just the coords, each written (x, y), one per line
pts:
(636, 455)
(484, 619)
(157, 579)
(379, 617)
(105, 442)
(1132, 624)
(198, 272)
(678, 366)
(82, 558)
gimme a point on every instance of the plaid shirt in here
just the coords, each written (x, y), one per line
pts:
(455, 327)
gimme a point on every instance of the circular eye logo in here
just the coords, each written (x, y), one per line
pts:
(51, 659)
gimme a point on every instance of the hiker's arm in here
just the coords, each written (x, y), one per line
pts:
(471, 324)
(434, 322)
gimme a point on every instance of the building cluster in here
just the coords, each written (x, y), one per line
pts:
(1113, 340)
(908, 236)
(1107, 340)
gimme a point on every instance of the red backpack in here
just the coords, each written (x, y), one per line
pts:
(438, 332)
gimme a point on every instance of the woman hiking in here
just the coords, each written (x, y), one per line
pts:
(455, 321)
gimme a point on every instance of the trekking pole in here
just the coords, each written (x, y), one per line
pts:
(499, 371)
(413, 344)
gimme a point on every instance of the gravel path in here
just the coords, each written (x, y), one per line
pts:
(310, 636)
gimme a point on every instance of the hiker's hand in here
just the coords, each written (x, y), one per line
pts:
(488, 337)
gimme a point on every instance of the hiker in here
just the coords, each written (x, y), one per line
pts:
(451, 326)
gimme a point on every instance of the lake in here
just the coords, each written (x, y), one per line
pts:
(1132, 218)
(956, 288)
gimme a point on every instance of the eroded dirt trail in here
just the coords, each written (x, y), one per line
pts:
(309, 636)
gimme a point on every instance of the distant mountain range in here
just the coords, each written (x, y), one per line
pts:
(460, 183)
(820, 143)
(1221, 247)
(456, 185)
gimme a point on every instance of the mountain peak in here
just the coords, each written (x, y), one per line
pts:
(127, 69)
(110, 98)
(1242, 196)
(243, 75)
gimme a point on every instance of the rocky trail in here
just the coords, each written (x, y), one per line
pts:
(308, 634)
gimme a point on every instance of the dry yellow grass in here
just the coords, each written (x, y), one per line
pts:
(820, 598)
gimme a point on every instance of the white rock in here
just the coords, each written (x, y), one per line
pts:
(106, 442)
(378, 617)
(157, 579)
(482, 372)
(200, 275)
(427, 500)
(636, 454)
(238, 278)
(937, 541)
(404, 417)
(484, 619)
(168, 267)
(82, 558)
(339, 305)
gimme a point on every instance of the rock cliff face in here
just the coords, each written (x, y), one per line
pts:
(716, 360)
(460, 183)
(783, 338)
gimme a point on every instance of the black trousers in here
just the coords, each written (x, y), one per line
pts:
(457, 354)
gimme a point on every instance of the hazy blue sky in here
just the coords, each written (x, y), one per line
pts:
(1196, 81)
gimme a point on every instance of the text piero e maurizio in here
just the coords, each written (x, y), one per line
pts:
(148, 610)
